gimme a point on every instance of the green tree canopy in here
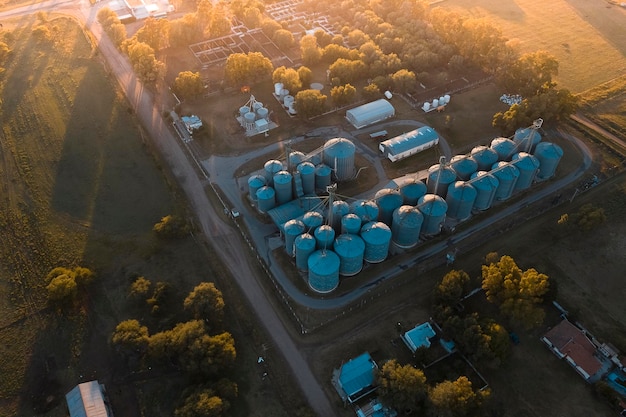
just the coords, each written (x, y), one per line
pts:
(402, 387)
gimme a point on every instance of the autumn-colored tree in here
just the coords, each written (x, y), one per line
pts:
(142, 57)
(309, 50)
(371, 92)
(455, 398)
(283, 39)
(310, 103)
(202, 402)
(452, 287)
(402, 387)
(154, 32)
(130, 337)
(404, 81)
(342, 95)
(206, 302)
(188, 85)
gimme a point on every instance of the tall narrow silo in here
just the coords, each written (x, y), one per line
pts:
(387, 201)
(527, 139)
(406, 226)
(339, 155)
(377, 236)
(486, 185)
(266, 198)
(528, 166)
(433, 208)
(305, 246)
(440, 176)
(549, 155)
(307, 174)
(367, 210)
(350, 224)
(485, 157)
(292, 229)
(411, 191)
(464, 166)
(295, 158)
(507, 175)
(504, 147)
(350, 249)
(323, 271)
(312, 220)
(283, 187)
(322, 176)
(324, 236)
(339, 209)
(461, 197)
(254, 183)
(272, 167)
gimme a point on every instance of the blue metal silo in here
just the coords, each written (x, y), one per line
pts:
(350, 249)
(305, 246)
(292, 229)
(339, 209)
(339, 155)
(411, 191)
(504, 147)
(324, 236)
(387, 201)
(528, 166)
(507, 175)
(295, 158)
(440, 176)
(322, 177)
(464, 166)
(486, 185)
(270, 168)
(527, 139)
(350, 224)
(283, 187)
(307, 174)
(312, 220)
(485, 157)
(461, 197)
(549, 155)
(323, 271)
(406, 226)
(377, 237)
(367, 210)
(254, 183)
(266, 199)
(434, 209)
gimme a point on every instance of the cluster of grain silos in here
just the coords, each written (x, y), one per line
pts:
(252, 112)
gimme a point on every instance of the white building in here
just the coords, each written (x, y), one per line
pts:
(409, 143)
(370, 113)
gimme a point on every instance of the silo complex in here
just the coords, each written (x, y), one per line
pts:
(528, 166)
(350, 249)
(312, 220)
(434, 209)
(387, 201)
(292, 229)
(270, 168)
(460, 199)
(377, 236)
(266, 198)
(549, 156)
(440, 176)
(283, 187)
(324, 236)
(322, 177)
(406, 226)
(254, 183)
(411, 191)
(485, 157)
(367, 210)
(307, 175)
(486, 185)
(305, 246)
(527, 139)
(323, 271)
(339, 155)
(350, 224)
(464, 166)
(504, 147)
(507, 175)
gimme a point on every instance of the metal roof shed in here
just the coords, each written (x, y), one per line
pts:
(409, 143)
(87, 400)
(356, 378)
(419, 336)
(370, 113)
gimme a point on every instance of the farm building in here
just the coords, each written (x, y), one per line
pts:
(192, 122)
(409, 143)
(419, 336)
(355, 379)
(87, 400)
(370, 113)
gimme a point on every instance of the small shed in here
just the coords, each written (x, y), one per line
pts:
(370, 113)
(419, 336)
(409, 143)
(356, 378)
(192, 122)
(88, 400)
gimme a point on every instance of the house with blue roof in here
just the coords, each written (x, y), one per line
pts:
(419, 336)
(356, 378)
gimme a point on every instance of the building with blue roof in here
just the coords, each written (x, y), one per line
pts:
(356, 378)
(419, 336)
(409, 143)
(370, 113)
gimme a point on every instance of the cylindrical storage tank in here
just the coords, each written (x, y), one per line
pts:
(439, 178)
(377, 236)
(507, 174)
(350, 224)
(549, 155)
(350, 249)
(266, 198)
(278, 87)
(433, 208)
(406, 226)
(288, 100)
(295, 158)
(305, 246)
(411, 191)
(256, 106)
(442, 100)
(446, 98)
(307, 174)
(262, 113)
(254, 183)
(243, 110)
(339, 209)
(292, 229)
(387, 201)
(485, 157)
(312, 220)
(426, 106)
(249, 118)
(528, 166)
(527, 139)
(283, 187)
(322, 177)
(323, 271)
(504, 147)
(435, 103)
(283, 93)
(464, 166)
(339, 155)
(367, 210)
(461, 197)
(486, 185)
(270, 168)
(324, 236)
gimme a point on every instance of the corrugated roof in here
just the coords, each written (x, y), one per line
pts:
(419, 336)
(357, 374)
(410, 140)
(86, 400)
(571, 342)
(370, 113)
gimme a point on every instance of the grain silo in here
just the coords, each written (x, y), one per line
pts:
(304, 246)
(323, 271)
(527, 139)
(528, 166)
(377, 236)
(270, 168)
(507, 175)
(486, 185)
(350, 249)
(322, 177)
(367, 210)
(339, 155)
(406, 226)
(350, 224)
(248, 120)
(485, 157)
(262, 113)
(292, 229)
(434, 209)
(307, 175)
(295, 158)
(254, 183)
(411, 191)
(504, 147)
(243, 110)
(461, 197)
(387, 201)
(324, 236)
(549, 155)
(339, 208)
(266, 199)
(440, 176)
(283, 186)
(312, 220)
(464, 166)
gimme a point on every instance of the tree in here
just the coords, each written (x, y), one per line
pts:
(589, 216)
(370, 92)
(202, 402)
(402, 387)
(347, 71)
(309, 103)
(306, 76)
(62, 291)
(291, 80)
(283, 39)
(208, 355)
(343, 95)
(206, 302)
(140, 287)
(528, 74)
(454, 398)
(188, 84)
(171, 227)
(131, 337)
(185, 30)
(155, 32)
(333, 52)
(452, 287)
(403, 80)
(243, 68)
(141, 55)
(309, 50)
